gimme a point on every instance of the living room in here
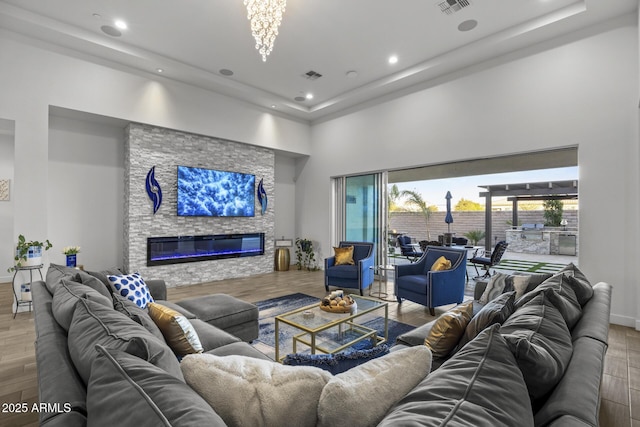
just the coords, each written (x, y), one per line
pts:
(580, 89)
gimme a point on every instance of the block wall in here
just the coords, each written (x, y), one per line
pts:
(148, 146)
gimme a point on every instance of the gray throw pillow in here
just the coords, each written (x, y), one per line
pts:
(579, 283)
(562, 297)
(67, 294)
(478, 386)
(496, 311)
(94, 283)
(55, 273)
(125, 387)
(137, 314)
(539, 338)
(95, 324)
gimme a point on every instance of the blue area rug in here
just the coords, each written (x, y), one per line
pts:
(271, 308)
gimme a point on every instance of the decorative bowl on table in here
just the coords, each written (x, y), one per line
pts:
(337, 302)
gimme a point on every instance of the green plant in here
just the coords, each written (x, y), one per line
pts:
(553, 212)
(475, 236)
(22, 249)
(71, 250)
(304, 255)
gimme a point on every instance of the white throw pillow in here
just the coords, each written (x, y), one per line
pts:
(132, 287)
(520, 284)
(363, 395)
(246, 391)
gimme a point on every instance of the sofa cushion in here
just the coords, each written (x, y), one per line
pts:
(539, 339)
(95, 324)
(448, 329)
(137, 314)
(344, 256)
(180, 309)
(479, 386)
(178, 332)
(212, 337)
(57, 272)
(338, 362)
(221, 310)
(375, 385)
(496, 311)
(563, 298)
(246, 391)
(579, 283)
(125, 387)
(343, 272)
(92, 282)
(67, 294)
(131, 286)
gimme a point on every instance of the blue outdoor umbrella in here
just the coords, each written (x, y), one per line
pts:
(448, 218)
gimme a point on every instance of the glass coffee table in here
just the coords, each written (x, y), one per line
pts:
(327, 332)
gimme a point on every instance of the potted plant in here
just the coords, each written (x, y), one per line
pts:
(29, 253)
(304, 254)
(474, 236)
(71, 253)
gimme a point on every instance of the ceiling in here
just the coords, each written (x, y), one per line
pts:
(193, 40)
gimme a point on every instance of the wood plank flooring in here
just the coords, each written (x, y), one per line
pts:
(18, 383)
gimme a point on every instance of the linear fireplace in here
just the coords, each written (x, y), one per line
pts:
(178, 249)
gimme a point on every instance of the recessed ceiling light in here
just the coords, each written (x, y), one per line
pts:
(97, 16)
(309, 96)
(226, 72)
(468, 25)
(159, 70)
(393, 59)
(119, 23)
(273, 106)
(352, 74)
(112, 31)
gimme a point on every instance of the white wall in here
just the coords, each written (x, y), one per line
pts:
(86, 191)
(7, 244)
(581, 91)
(285, 192)
(34, 77)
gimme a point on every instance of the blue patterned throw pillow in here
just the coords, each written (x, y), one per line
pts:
(132, 287)
(338, 362)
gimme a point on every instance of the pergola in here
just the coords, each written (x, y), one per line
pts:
(548, 190)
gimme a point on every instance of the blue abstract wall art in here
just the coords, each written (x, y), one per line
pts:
(262, 196)
(153, 189)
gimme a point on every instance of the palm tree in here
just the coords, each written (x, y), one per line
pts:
(416, 199)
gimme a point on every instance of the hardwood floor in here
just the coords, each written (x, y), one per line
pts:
(620, 389)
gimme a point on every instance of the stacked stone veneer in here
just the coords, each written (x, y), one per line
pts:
(148, 146)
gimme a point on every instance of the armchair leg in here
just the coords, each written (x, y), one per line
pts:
(326, 288)
(432, 311)
(399, 300)
(361, 292)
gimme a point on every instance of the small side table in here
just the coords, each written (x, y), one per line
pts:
(381, 270)
(30, 269)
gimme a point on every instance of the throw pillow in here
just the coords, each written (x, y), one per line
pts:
(561, 295)
(520, 284)
(579, 283)
(67, 294)
(178, 332)
(131, 286)
(494, 288)
(94, 283)
(338, 362)
(246, 391)
(441, 264)
(376, 385)
(539, 339)
(479, 386)
(448, 329)
(496, 311)
(344, 256)
(95, 324)
(137, 314)
(123, 385)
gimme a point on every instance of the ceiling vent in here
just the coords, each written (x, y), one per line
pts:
(449, 7)
(312, 75)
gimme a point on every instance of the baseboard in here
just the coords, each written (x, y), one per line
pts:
(6, 279)
(627, 321)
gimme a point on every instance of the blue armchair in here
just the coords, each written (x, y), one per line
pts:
(417, 283)
(358, 276)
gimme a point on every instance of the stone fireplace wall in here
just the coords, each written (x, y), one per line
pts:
(148, 146)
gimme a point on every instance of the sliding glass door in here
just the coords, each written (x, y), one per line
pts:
(360, 210)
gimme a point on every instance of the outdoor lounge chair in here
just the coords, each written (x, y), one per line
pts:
(488, 262)
(408, 250)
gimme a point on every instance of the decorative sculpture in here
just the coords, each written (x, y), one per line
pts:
(153, 189)
(262, 196)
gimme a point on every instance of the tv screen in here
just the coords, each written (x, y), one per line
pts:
(208, 192)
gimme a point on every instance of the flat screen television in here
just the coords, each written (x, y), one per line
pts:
(210, 192)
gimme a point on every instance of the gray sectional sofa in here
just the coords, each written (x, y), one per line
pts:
(489, 380)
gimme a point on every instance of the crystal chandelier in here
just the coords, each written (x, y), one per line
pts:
(265, 17)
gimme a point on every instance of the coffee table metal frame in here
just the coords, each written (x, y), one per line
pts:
(312, 327)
